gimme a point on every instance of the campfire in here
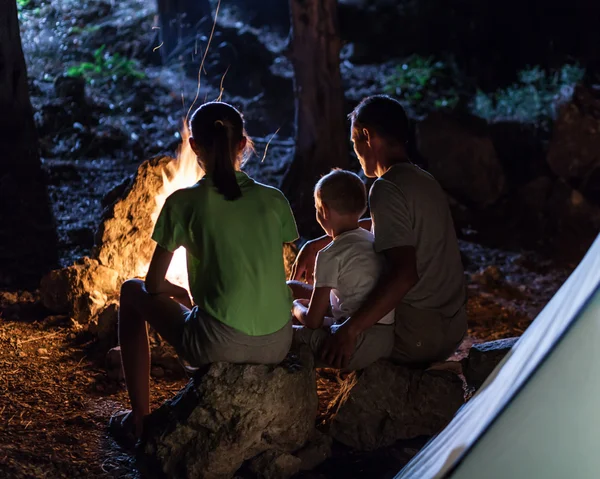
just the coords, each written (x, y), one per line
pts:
(88, 291)
(182, 173)
(123, 250)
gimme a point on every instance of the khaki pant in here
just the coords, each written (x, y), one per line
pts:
(207, 340)
(375, 343)
(427, 336)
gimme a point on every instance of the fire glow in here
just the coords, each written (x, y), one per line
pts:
(180, 173)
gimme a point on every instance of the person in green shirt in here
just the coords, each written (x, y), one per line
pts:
(233, 230)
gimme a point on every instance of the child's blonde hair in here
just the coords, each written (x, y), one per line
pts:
(343, 192)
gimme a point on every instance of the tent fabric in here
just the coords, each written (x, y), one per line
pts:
(537, 413)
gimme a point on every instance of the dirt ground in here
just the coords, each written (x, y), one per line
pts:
(56, 394)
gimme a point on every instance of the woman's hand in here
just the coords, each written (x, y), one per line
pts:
(304, 266)
(179, 294)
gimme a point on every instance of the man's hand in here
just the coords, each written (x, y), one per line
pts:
(339, 346)
(304, 266)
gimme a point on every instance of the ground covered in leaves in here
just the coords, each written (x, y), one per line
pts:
(56, 393)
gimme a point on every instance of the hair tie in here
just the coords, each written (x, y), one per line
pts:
(219, 123)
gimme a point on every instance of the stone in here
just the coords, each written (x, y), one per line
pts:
(317, 450)
(70, 87)
(107, 322)
(88, 305)
(275, 465)
(483, 359)
(573, 152)
(62, 289)
(164, 355)
(113, 358)
(460, 154)
(157, 372)
(123, 240)
(42, 352)
(230, 413)
(569, 209)
(488, 276)
(387, 402)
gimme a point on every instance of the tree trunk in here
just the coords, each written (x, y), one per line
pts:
(28, 245)
(178, 23)
(321, 136)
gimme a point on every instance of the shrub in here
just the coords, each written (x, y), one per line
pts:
(106, 66)
(424, 83)
(532, 98)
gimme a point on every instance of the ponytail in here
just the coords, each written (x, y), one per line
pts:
(223, 173)
(218, 130)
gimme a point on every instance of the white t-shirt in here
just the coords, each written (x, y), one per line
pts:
(350, 266)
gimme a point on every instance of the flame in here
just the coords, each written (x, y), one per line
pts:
(180, 173)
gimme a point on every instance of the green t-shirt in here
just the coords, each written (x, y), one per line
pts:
(234, 251)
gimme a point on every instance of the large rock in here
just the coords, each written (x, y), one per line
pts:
(388, 402)
(460, 154)
(123, 240)
(483, 359)
(574, 151)
(229, 414)
(80, 290)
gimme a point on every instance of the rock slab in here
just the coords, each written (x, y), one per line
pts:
(574, 151)
(388, 402)
(483, 359)
(229, 414)
(460, 154)
(80, 290)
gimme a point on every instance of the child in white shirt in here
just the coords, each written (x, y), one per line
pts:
(346, 271)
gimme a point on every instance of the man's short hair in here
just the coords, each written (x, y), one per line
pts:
(343, 192)
(383, 114)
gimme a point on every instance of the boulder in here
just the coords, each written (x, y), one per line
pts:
(88, 305)
(105, 327)
(315, 451)
(275, 465)
(574, 151)
(386, 402)
(483, 359)
(80, 290)
(70, 87)
(460, 154)
(231, 413)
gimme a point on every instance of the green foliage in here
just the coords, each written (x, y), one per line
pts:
(532, 98)
(21, 4)
(106, 66)
(89, 29)
(424, 83)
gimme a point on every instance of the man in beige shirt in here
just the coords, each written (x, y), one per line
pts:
(411, 221)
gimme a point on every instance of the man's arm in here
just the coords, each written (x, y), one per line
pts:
(312, 316)
(388, 293)
(156, 282)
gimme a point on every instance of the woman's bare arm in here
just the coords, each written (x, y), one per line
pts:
(156, 282)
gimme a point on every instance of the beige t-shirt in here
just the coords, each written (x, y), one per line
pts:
(410, 208)
(350, 266)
